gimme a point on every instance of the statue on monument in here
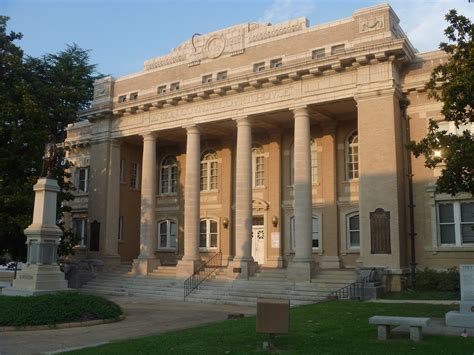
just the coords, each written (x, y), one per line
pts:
(49, 157)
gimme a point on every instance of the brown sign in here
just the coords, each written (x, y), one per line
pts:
(380, 232)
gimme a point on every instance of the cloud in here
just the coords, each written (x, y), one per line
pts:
(423, 21)
(283, 10)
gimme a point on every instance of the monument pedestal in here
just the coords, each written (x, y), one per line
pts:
(41, 274)
(465, 317)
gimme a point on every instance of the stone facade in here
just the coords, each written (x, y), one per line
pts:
(292, 134)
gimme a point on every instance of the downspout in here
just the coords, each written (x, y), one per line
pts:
(411, 205)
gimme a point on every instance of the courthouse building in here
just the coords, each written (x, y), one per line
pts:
(277, 145)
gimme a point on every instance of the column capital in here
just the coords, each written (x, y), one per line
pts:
(303, 109)
(149, 136)
(192, 129)
(242, 121)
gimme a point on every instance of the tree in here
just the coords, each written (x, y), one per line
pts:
(452, 83)
(38, 97)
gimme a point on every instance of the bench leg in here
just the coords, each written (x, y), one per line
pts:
(383, 332)
(416, 334)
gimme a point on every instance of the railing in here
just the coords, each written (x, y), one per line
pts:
(203, 273)
(353, 291)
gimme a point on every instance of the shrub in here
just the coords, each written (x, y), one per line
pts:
(433, 280)
(55, 308)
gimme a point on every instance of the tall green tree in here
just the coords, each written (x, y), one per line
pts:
(38, 97)
(452, 83)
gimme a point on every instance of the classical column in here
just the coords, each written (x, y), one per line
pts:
(147, 261)
(243, 199)
(191, 258)
(300, 268)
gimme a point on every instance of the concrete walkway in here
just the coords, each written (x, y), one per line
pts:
(143, 317)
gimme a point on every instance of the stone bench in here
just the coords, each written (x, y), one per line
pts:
(415, 325)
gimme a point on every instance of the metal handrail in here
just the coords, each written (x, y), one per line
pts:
(202, 273)
(355, 290)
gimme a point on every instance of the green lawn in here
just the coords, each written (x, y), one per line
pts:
(55, 308)
(336, 327)
(423, 295)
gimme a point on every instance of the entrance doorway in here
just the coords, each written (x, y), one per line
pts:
(258, 239)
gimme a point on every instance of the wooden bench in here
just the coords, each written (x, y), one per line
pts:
(415, 325)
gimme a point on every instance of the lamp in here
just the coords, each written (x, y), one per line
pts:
(225, 222)
(275, 221)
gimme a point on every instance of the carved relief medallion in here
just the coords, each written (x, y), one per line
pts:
(371, 24)
(215, 46)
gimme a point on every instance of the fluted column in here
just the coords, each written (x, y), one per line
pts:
(191, 258)
(243, 191)
(301, 266)
(147, 261)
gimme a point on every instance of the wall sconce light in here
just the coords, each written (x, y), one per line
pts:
(225, 222)
(275, 221)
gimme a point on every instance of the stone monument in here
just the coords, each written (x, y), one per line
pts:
(465, 317)
(42, 274)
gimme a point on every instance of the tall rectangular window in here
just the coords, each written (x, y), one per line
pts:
(120, 228)
(122, 170)
(83, 179)
(79, 226)
(135, 175)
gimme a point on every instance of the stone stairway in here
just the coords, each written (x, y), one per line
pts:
(221, 288)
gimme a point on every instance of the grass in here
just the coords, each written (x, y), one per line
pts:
(336, 327)
(55, 308)
(423, 295)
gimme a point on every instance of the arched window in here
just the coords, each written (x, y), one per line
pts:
(208, 234)
(352, 156)
(258, 166)
(168, 175)
(167, 234)
(315, 232)
(353, 230)
(209, 171)
(314, 163)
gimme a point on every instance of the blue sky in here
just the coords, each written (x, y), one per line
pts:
(122, 34)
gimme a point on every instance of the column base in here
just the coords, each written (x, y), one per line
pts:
(275, 262)
(142, 266)
(300, 271)
(37, 279)
(186, 268)
(242, 269)
(330, 262)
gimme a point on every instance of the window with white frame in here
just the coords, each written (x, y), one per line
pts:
(135, 175)
(276, 63)
(208, 234)
(167, 234)
(122, 170)
(353, 230)
(79, 230)
(161, 89)
(337, 49)
(222, 75)
(206, 79)
(314, 162)
(83, 179)
(352, 156)
(174, 86)
(120, 228)
(169, 175)
(455, 223)
(209, 171)
(258, 67)
(258, 165)
(315, 232)
(318, 53)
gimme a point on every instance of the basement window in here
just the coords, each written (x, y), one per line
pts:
(122, 98)
(318, 53)
(162, 89)
(258, 67)
(222, 75)
(174, 86)
(337, 49)
(276, 63)
(206, 79)
(133, 96)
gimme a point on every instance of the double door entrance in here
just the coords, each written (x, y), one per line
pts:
(258, 239)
